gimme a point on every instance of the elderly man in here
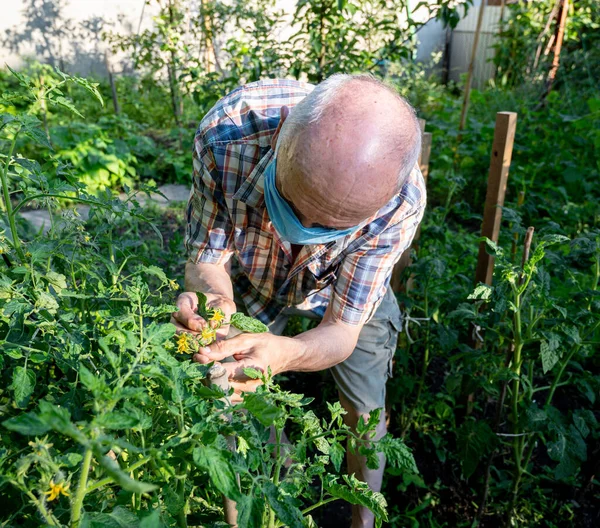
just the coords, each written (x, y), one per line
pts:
(303, 200)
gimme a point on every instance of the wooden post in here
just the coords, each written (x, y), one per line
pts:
(113, 86)
(558, 40)
(504, 136)
(425, 154)
(217, 375)
(465, 105)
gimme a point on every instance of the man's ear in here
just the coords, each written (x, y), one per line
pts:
(284, 112)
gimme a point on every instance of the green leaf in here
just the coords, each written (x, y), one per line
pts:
(356, 492)
(124, 517)
(116, 420)
(59, 419)
(23, 385)
(250, 511)
(87, 378)
(57, 280)
(202, 309)
(114, 471)
(549, 355)
(284, 506)
(160, 333)
(31, 127)
(397, 454)
(71, 459)
(27, 424)
(216, 463)
(253, 373)
(248, 324)
(482, 291)
(266, 413)
(336, 455)
(152, 520)
(474, 440)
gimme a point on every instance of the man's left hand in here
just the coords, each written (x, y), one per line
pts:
(258, 351)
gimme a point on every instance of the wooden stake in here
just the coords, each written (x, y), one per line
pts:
(113, 86)
(558, 40)
(504, 136)
(465, 105)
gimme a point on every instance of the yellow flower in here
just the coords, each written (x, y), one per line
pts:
(218, 317)
(208, 335)
(184, 342)
(56, 490)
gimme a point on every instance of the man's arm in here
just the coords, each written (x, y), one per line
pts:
(208, 240)
(322, 347)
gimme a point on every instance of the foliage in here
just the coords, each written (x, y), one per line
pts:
(523, 50)
(102, 422)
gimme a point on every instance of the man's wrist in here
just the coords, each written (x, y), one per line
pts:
(293, 355)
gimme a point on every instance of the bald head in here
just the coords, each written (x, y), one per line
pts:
(346, 150)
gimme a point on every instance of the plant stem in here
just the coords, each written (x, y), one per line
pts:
(81, 489)
(7, 204)
(48, 517)
(318, 505)
(108, 480)
(277, 471)
(278, 524)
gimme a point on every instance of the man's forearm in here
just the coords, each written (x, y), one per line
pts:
(208, 278)
(322, 347)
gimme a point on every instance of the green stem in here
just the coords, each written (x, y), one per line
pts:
(318, 505)
(109, 480)
(31, 198)
(48, 517)
(276, 473)
(8, 205)
(278, 524)
(81, 489)
(181, 517)
(596, 278)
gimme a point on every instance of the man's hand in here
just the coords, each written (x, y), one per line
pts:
(258, 351)
(186, 319)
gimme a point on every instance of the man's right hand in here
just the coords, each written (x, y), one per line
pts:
(187, 319)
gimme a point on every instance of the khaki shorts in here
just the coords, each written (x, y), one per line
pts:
(362, 377)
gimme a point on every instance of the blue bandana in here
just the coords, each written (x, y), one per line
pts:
(285, 220)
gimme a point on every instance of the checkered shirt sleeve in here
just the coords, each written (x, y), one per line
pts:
(209, 232)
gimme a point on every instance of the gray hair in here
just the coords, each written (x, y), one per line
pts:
(310, 110)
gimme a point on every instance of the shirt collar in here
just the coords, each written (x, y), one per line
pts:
(252, 190)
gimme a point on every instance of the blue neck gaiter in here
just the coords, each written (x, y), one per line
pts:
(285, 220)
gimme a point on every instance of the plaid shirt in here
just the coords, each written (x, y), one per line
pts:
(227, 217)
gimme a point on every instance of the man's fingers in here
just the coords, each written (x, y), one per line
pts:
(236, 374)
(248, 386)
(220, 350)
(187, 300)
(180, 328)
(201, 358)
(188, 318)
